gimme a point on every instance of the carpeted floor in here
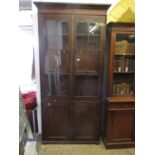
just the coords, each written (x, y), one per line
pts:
(82, 149)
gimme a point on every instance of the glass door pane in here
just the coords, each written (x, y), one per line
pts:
(124, 65)
(57, 55)
(87, 50)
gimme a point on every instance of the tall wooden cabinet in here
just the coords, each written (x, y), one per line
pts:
(119, 86)
(71, 49)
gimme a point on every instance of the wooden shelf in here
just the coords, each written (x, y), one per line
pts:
(129, 72)
(62, 50)
(121, 99)
(63, 34)
(82, 49)
(87, 73)
(60, 73)
(88, 34)
(125, 54)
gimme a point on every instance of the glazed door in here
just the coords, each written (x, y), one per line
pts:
(55, 55)
(55, 32)
(88, 41)
(122, 64)
(88, 56)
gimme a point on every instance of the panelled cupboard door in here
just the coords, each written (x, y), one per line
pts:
(85, 118)
(55, 51)
(120, 125)
(88, 48)
(56, 124)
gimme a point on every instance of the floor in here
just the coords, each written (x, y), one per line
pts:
(82, 149)
(31, 148)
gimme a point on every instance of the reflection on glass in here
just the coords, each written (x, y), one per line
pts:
(57, 34)
(56, 69)
(56, 63)
(57, 42)
(95, 28)
(57, 84)
(88, 43)
(88, 35)
(86, 57)
(56, 27)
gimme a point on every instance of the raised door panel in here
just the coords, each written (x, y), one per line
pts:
(85, 121)
(56, 122)
(120, 125)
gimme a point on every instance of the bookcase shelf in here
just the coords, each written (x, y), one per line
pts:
(86, 73)
(125, 54)
(129, 72)
(56, 73)
(56, 34)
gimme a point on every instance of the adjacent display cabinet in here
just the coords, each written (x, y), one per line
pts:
(119, 86)
(71, 47)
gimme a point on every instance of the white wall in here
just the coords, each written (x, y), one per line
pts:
(37, 70)
(36, 47)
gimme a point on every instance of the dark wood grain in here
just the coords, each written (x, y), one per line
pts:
(119, 131)
(72, 115)
(86, 121)
(71, 8)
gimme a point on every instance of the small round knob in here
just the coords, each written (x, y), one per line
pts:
(48, 104)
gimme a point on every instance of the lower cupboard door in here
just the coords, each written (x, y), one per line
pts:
(85, 123)
(56, 124)
(121, 126)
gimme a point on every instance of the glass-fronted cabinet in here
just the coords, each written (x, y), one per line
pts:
(71, 49)
(119, 100)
